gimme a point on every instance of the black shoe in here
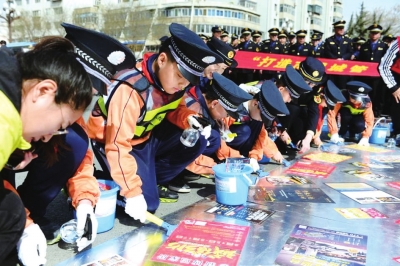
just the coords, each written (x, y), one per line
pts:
(166, 195)
(50, 230)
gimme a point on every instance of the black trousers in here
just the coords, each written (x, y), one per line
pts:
(395, 115)
(12, 221)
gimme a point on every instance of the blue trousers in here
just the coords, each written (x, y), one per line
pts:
(43, 183)
(352, 123)
(159, 159)
(247, 134)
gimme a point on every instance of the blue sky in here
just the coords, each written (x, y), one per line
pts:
(353, 6)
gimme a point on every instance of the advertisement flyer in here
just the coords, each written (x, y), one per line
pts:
(196, 242)
(327, 157)
(363, 193)
(368, 175)
(360, 213)
(309, 245)
(394, 184)
(263, 195)
(386, 158)
(241, 212)
(367, 148)
(372, 165)
(288, 180)
(311, 169)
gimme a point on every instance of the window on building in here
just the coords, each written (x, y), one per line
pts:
(220, 13)
(316, 21)
(36, 13)
(58, 11)
(37, 1)
(317, 9)
(287, 9)
(97, 2)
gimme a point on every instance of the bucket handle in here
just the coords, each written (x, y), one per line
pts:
(248, 179)
(379, 120)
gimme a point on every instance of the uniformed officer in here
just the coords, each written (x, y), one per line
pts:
(234, 41)
(251, 137)
(357, 42)
(220, 98)
(247, 75)
(388, 39)
(338, 47)
(225, 36)
(216, 32)
(256, 36)
(300, 48)
(318, 46)
(356, 114)
(282, 37)
(372, 51)
(128, 129)
(272, 45)
(292, 37)
(305, 111)
(204, 37)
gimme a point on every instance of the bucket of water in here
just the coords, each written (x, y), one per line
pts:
(379, 132)
(232, 188)
(106, 205)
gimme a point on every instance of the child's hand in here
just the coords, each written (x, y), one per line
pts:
(28, 157)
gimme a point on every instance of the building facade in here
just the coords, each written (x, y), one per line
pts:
(143, 22)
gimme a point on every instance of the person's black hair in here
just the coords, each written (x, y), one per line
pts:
(54, 58)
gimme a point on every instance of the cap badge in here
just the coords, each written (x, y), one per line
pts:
(361, 89)
(315, 73)
(375, 25)
(116, 57)
(208, 59)
(231, 54)
(317, 99)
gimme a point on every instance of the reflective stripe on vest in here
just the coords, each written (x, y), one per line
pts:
(154, 117)
(353, 110)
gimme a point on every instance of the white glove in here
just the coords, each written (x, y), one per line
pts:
(32, 246)
(194, 123)
(136, 207)
(254, 164)
(206, 132)
(249, 89)
(335, 138)
(364, 142)
(82, 212)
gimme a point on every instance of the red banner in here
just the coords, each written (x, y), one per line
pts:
(278, 62)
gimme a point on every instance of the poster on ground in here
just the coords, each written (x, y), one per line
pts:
(363, 193)
(327, 157)
(241, 212)
(360, 213)
(196, 242)
(264, 195)
(309, 245)
(311, 169)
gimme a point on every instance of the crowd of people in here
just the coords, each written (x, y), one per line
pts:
(136, 129)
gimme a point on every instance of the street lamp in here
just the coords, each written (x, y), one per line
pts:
(9, 15)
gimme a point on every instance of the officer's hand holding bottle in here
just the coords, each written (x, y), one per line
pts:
(87, 224)
(201, 124)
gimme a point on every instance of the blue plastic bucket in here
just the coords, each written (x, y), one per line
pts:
(106, 205)
(379, 133)
(232, 188)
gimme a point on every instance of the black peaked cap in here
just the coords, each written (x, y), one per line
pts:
(333, 95)
(312, 69)
(295, 82)
(270, 101)
(101, 55)
(224, 50)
